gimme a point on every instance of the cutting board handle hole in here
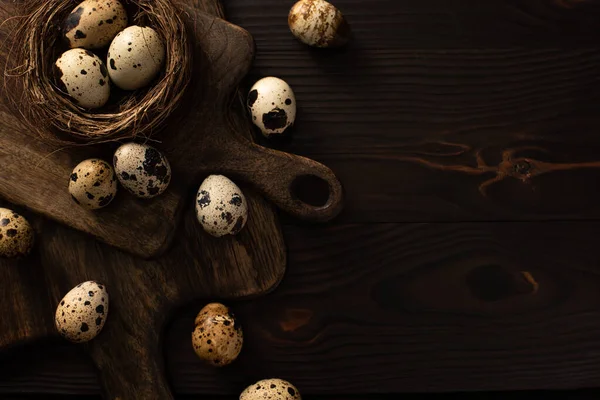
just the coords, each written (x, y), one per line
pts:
(311, 189)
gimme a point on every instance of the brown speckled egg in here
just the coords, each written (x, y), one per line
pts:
(271, 389)
(93, 184)
(218, 337)
(144, 171)
(221, 207)
(318, 23)
(82, 75)
(94, 23)
(16, 235)
(272, 104)
(135, 57)
(81, 314)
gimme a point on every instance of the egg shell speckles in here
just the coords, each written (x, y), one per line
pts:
(93, 184)
(81, 314)
(221, 207)
(135, 57)
(16, 234)
(217, 337)
(272, 103)
(82, 75)
(318, 23)
(142, 170)
(94, 23)
(271, 389)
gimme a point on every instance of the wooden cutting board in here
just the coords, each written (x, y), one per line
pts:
(144, 293)
(198, 141)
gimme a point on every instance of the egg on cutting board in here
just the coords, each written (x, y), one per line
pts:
(16, 234)
(135, 57)
(94, 23)
(272, 103)
(217, 337)
(144, 171)
(81, 314)
(82, 75)
(271, 389)
(221, 207)
(93, 184)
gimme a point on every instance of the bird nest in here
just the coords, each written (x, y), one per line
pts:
(37, 42)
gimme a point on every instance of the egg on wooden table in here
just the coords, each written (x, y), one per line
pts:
(144, 171)
(217, 337)
(221, 207)
(318, 23)
(82, 75)
(272, 103)
(94, 23)
(135, 57)
(93, 184)
(16, 234)
(271, 389)
(81, 314)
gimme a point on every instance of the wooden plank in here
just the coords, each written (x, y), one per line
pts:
(389, 308)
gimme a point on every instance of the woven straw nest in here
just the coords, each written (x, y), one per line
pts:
(37, 43)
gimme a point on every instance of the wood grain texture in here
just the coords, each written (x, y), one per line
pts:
(367, 309)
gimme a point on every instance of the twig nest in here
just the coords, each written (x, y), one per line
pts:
(271, 389)
(82, 75)
(81, 314)
(94, 23)
(93, 184)
(217, 337)
(318, 23)
(46, 106)
(144, 171)
(135, 57)
(272, 103)
(16, 234)
(221, 207)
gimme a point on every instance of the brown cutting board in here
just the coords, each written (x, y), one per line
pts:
(144, 293)
(198, 141)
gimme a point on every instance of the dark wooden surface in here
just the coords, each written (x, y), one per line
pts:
(447, 271)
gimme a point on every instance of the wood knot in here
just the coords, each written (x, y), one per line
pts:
(491, 283)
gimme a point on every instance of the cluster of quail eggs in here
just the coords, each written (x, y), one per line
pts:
(135, 53)
(271, 101)
(217, 339)
(141, 169)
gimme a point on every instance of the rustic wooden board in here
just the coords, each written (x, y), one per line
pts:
(198, 141)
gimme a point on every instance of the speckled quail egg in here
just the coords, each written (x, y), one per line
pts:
(272, 103)
(81, 314)
(93, 184)
(318, 23)
(221, 207)
(94, 23)
(135, 57)
(83, 76)
(16, 235)
(142, 170)
(271, 389)
(217, 337)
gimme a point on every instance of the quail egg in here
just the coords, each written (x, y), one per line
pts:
(16, 235)
(221, 207)
(135, 57)
(217, 337)
(83, 76)
(142, 170)
(93, 184)
(81, 314)
(272, 103)
(94, 23)
(318, 23)
(271, 389)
